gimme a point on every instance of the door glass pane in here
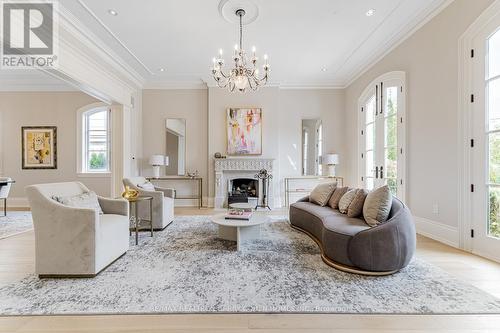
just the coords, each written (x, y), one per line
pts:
(494, 104)
(370, 184)
(370, 110)
(494, 158)
(393, 185)
(370, 136)
(494, 212)
(391, 163)
(370, 163)
(391, 104)
(391, 127)
(494, 55)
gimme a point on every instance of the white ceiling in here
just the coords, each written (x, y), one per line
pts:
(301, 37)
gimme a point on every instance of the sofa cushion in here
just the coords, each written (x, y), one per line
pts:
(313, 209)
(356, 206)
(322, 193)
(346, 200)
(377, 206)
(337, 194)
(82, 200)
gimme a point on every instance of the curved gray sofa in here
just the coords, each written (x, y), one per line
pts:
(349, 244)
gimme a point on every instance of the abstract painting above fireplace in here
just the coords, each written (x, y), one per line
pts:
(244, 131)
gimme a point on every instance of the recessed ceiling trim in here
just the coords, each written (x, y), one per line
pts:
(398, 39)
(372, 32)
(146, 68)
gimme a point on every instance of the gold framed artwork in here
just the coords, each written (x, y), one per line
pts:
(244, 131)
(39, 147)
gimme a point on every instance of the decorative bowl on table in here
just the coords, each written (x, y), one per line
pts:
(130, 193)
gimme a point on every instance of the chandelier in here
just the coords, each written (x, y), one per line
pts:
(245, 74)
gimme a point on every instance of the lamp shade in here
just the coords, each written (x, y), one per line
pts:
(157, 160)
(331, 159)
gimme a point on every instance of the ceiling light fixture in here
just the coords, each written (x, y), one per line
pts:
(324, 69)
(162, 70)
(371, 12)
(112, 12)
(245, 74)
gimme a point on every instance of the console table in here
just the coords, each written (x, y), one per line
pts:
(5, 182)
(197, 196)
(305, 184)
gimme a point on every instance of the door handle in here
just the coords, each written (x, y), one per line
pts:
(381, 172)
(376, 172)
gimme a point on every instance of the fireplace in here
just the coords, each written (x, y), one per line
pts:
(229, 169)
(243, 190)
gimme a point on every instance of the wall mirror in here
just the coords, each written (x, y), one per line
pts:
(312, 147)
(176, 147)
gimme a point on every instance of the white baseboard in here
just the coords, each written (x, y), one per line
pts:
(437, 231)
(19, 202)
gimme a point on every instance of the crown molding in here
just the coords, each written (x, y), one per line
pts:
(96, 45)
(34, 87)
(311, 87)
(175, 85)
(406, 32)
(118, 40)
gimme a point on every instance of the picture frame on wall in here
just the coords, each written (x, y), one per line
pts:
(39, 147)
(244, 131)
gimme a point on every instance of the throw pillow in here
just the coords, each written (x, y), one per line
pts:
(346, 200)
(334, 200)
(322, 193)
(147, 186)
(84, 200)
(377, 206)
(356, 207)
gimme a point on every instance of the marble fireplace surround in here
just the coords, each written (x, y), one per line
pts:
(227, 169)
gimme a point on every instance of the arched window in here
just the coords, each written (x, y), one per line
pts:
(94, 140)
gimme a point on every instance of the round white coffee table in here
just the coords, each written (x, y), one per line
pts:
(242, 205)
(239, 230)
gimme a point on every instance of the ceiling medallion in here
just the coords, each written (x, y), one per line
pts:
(245, 74)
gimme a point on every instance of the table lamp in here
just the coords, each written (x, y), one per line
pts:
(331, 160)
(157, 161)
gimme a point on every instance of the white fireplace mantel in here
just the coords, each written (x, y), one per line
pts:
(246, 164)
(231, 168)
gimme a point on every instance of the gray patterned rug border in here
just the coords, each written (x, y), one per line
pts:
(186, 269)
(15, 223)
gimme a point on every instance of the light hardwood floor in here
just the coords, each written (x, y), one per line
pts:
(17, 260)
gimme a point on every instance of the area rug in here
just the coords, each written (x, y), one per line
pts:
(187, 269)
(15, 223)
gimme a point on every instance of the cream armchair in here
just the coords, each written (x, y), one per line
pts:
(163, 202)
(76, 241)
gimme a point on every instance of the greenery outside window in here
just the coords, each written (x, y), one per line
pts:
(96, 141)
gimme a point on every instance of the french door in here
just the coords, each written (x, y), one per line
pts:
(381, 142)
(485, 153)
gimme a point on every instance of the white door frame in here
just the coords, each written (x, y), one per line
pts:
(465, 124)
(395, 76)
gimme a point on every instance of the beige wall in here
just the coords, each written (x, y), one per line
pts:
(43, 109)
(192, 105)
(430, 59)
(205, 114)
(283, 111)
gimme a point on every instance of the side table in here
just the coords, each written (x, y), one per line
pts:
(133, 204)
